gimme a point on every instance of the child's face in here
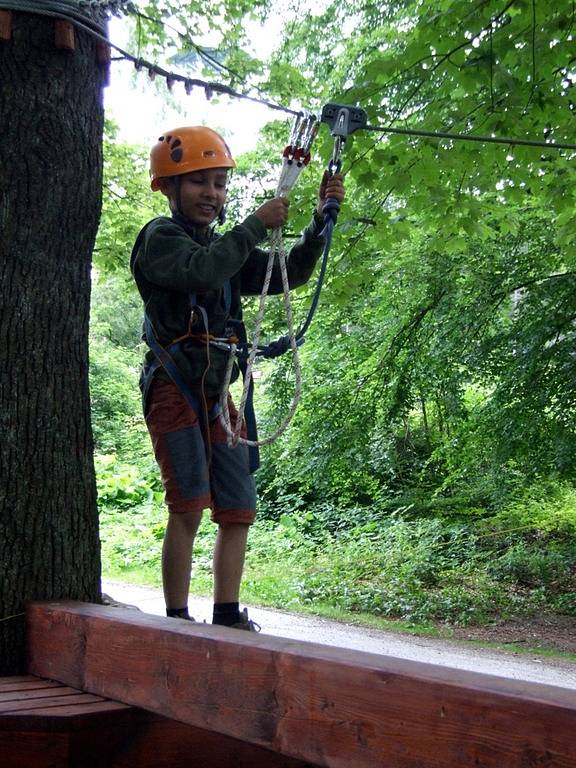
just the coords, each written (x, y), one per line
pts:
(202, 195)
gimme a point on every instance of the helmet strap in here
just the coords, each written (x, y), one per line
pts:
(222, 215)
(178, 195)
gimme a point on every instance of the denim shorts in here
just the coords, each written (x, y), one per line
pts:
(198, 473)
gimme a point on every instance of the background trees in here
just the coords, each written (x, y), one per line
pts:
(439, 410)
(467, 248)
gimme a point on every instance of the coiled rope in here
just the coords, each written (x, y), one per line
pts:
(296, 157)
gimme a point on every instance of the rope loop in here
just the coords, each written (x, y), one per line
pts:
(330, 210)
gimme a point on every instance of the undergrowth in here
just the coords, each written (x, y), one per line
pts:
(357, 560)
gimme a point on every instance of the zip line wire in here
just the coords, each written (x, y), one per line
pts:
(71, 10)
(469, 137)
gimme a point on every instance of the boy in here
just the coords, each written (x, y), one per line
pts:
(191, 281)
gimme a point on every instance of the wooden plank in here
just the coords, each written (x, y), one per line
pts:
(26, 683)
(69, 719)
(52, 703)
(51, 690)
(5, 25)
(329, 706)
(108, 734)
(8, 681)
(37, 704)
(80, 710)
(64, 35)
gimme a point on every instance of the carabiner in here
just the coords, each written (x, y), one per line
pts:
(336, 163)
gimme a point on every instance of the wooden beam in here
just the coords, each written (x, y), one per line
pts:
(5, 25)
(64, 36)
(328, 706)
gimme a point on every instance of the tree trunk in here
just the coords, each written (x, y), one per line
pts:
(425, 420)
(50, 199)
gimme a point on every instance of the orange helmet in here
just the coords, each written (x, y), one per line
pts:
(188, 149)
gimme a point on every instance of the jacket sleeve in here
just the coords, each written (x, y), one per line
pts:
(301, 261)
(170, 258)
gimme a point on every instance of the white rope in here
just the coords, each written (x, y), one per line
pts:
(303, 134)
(233, 434)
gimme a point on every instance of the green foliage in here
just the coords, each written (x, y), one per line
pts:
(127, 203)
(122, 486)
(419, 571)
(429, 472)
(133, 522)
(414, 570)
(452, 263)
(115, 356)
(129, 502)
(116, 420)
(116, 311)
(529, 565)
(548, 507)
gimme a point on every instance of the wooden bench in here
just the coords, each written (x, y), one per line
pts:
(46, 724)
(320, 705)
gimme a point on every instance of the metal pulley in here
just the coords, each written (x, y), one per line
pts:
(342, 120)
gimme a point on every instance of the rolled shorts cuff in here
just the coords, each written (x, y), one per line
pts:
(183, 506)
(233, 516)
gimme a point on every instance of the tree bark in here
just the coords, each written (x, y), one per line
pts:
(50, 199)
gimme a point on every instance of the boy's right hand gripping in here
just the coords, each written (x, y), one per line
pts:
(273, 213)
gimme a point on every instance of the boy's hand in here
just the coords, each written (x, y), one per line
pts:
(273, 213)
(330, 186)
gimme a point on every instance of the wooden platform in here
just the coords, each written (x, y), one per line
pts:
(45, 724)
(321, 705)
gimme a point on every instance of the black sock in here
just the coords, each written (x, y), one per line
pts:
(226, 614)
(178, 613)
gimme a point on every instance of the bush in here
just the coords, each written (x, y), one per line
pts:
(532, 564)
